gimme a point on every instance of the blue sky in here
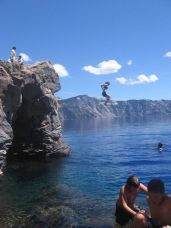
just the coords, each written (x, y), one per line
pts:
(126, 42)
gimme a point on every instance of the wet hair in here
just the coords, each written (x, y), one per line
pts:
(160, 145)
(108, 83)
(156, 186)
(14, 48)
(133, 181)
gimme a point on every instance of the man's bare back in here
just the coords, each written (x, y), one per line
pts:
(160, 211)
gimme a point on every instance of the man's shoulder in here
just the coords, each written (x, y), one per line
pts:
(166, 203)
(168, 199)
(124, 189)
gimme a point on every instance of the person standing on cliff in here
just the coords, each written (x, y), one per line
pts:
(1, 173)
(13, 55)
(20, 61)
(104, 94)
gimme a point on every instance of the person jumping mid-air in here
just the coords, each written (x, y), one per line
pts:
(104, 94)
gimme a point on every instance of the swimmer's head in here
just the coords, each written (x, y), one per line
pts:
(160, 145)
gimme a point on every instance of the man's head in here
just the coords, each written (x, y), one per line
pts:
(107, 83)
(160, 145)
(14, 48)
(132, 183)
(156, 186)
(156, 191)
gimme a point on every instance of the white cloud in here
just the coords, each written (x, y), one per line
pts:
(141, 79)
(25, 57)
(168, 54)
(105, 67)
(122, 80)
(60, 70)
(129, 62)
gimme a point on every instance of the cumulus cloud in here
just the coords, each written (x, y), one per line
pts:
(60, 70)
(168, 54)
(122, 80)
(129, 62)
(105, 67)
(25, 57)
(141, 79)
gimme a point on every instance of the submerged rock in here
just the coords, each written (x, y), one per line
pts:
(29, 120)
(56, 216)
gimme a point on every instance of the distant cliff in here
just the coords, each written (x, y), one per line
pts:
(84, 107)
(29, 120)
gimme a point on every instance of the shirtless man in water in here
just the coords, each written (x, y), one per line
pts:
(159, 205)
(125, 207)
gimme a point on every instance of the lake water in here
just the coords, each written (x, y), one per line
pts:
(103, 154)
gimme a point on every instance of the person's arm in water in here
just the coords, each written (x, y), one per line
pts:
(142, 188)
(123, 203)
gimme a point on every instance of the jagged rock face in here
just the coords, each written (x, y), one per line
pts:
(84, 107)
(29, 120)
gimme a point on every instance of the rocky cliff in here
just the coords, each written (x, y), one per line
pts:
(29, 120)
(84, 107)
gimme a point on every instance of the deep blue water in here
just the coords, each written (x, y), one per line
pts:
(103, 154)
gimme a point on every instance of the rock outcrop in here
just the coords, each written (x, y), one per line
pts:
(84, 107)
(29, 120)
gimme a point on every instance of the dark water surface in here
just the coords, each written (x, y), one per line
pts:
(104, 153)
